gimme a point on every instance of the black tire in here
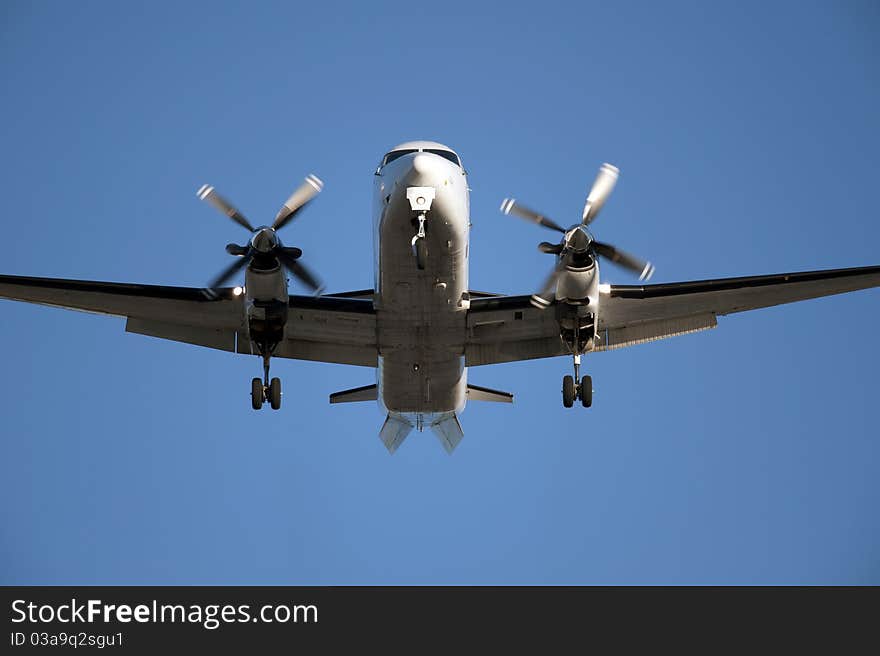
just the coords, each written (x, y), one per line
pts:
(586, 391)
(275, 393)
(421, 253)
(256, 393)
(568, 391)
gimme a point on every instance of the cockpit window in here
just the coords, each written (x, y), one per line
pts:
(445, 154)
(397, 154)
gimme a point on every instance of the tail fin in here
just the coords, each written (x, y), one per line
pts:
(448, 431)
(394, 432)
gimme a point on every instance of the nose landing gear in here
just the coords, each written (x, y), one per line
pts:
(419, 245)
(420, 200)
(265, 389)
(573, 389)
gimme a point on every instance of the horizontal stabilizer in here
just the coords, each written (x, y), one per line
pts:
(448, 431)
(477, 393)
(365, 393)
(394, 432)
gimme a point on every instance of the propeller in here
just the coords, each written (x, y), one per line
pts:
(265, 247)
(544, 298)
(576, 240)
(509, 205)
(599, 192)
(624, 259)
(210, 196)
(298, 200)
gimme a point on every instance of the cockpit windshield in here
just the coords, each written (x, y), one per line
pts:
(397, 154)
(445, 154)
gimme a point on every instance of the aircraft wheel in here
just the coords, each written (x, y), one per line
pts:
(568, 391)
(586, 391)
(275, 393)
(256, 393)
(421, 253)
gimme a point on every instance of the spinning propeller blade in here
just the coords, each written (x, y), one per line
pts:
(299, 270)
(644, 269)
(509, 205)
(298, 200)
(210, 196)
(599, 193)
(228, 272)
(544, 298)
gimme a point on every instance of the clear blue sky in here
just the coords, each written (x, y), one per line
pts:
(747, 136)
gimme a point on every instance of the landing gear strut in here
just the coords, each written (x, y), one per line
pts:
(419, 245)
(420, 199)
(265, 389)
(575, 387)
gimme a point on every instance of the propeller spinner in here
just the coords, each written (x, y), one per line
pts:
(264, 242)
(577, 240)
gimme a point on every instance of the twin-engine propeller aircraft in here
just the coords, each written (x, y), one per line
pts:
(421, 327)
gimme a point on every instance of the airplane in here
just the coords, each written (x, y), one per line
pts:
(421, 327)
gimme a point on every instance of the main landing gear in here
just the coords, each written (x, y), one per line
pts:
(266, 390)
(577, 334)
(572, 389)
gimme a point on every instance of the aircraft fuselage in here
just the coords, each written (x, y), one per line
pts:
(421, 312)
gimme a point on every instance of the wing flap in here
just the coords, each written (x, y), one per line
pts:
(223, 339)
(649, 331)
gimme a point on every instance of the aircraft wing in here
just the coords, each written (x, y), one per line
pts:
(506, 328)
(632, 314)
(334, 328)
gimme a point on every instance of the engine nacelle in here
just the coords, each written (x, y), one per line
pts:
(577, 306)
(578, 285)
(266, 285)
(266, 306)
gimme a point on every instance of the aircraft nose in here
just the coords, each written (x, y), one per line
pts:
(426, 169)
(422, 164)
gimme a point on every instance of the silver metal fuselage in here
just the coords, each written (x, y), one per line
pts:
(421, 313)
